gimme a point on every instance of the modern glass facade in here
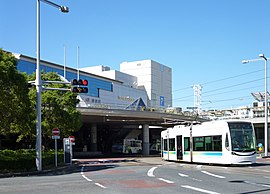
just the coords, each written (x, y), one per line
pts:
(94, 84)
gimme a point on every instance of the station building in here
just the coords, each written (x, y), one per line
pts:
(139, 86)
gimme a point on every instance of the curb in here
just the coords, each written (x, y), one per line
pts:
(63, 170)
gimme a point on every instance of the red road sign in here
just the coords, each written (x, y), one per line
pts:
(55, 132)
(72, 139)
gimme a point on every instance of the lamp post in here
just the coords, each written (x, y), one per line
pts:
(262, 57)
(38, 83)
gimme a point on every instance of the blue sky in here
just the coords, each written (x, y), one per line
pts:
(203, 41)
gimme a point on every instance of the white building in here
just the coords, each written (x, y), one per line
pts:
(155, 78)
(125, 89)
(106, 71)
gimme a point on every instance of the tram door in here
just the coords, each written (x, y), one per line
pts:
(179, 147)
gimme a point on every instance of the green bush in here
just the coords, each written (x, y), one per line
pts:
(25, 160)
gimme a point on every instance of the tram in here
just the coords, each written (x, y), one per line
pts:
(213, 142)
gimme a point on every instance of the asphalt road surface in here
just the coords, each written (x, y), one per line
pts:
(145, 175)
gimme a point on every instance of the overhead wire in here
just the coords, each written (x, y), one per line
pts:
(223, 79)
(223, 88)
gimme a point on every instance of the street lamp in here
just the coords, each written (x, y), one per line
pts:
(262, 57)
(38, 83)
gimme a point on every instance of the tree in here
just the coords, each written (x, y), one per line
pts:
(58, 108)
(18, 104)
(16, 114)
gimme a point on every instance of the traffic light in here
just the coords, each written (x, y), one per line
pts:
(78, 86)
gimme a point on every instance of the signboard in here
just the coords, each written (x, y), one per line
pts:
(260, 147)
(72, 139)
(55, 132)
(162, 101)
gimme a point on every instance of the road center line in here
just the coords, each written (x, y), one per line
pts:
(198, 189)
(214, 175)
(150, 172)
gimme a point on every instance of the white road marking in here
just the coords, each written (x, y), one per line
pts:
(82, 170)
(262, 185)
(199, 166)
(89, 180)
(214, 175)
(82, 173)
(182, 175)
(195, 179)
(150, 172)
(166, 181)
(266, 186)
(198, 189)
(267, 177)
(100, 185)
(86, 178)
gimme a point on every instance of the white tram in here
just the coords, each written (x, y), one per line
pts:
(217, 142)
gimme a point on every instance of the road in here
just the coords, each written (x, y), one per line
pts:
(145, 175)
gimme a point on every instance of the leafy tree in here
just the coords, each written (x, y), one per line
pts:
(16, 114)
(18, 104)
(58, 108)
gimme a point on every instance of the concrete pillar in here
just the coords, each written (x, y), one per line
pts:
(145, 139)
(93, 145)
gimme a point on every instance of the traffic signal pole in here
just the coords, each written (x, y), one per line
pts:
(38, 83)
(39, 90)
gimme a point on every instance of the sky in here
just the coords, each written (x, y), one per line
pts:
(203, 41)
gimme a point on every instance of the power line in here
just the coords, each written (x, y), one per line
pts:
(233, 91)
(243, 83)
(223, 79)
(214, 91)
(210, 91)
(231, 77)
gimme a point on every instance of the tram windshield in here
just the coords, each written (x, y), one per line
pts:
(242, 136)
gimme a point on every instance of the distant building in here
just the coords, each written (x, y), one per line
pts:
(155, 78)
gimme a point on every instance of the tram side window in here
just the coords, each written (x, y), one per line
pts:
(198, 144)
(165, 144)
(186, 144)
(171, 144)
(217, 141)
(213, 143)
(208, 143)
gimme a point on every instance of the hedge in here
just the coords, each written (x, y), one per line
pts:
(25, 160)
